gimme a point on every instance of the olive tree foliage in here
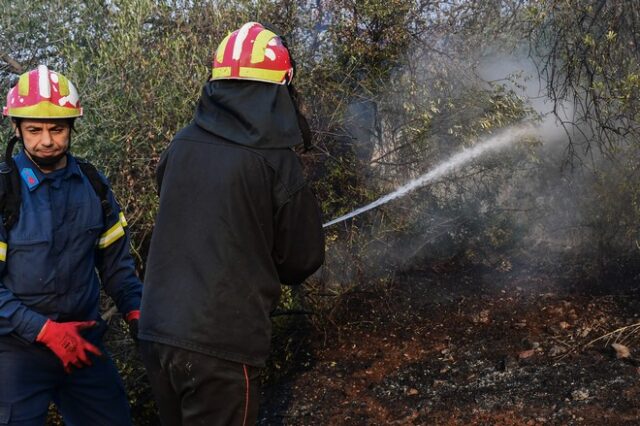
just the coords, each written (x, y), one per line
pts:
(396, 91)
(399, 96)
(29, 34)
(588, 53)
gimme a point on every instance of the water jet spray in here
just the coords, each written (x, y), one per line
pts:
(488, 144)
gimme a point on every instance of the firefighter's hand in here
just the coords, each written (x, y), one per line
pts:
(64, 340)
(132, 321)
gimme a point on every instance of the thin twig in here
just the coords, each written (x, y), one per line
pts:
(630, 329)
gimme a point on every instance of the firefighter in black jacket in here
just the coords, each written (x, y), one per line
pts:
(236, 219)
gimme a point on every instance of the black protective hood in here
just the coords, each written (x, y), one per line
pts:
(259, 115)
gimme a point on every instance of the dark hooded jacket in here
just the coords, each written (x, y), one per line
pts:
(236, 219)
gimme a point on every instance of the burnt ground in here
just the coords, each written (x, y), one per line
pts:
(468, 348)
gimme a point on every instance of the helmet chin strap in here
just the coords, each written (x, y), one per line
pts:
(8, 155)
(48, 161)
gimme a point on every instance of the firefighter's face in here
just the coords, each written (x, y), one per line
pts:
(46, 141)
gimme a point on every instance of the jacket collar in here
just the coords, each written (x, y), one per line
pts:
(33, 176)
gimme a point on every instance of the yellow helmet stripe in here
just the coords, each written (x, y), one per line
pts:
(63, 85)
(23, 85)
(260, 74)
(260, 45)
(44, 109)
(221, 72)
(222, 48)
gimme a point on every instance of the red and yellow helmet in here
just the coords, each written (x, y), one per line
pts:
(41, 93)
(252, 53)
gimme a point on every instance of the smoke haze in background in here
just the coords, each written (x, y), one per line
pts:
(566, 186)
(544, 196)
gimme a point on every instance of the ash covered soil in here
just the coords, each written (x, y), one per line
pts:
(468, 348)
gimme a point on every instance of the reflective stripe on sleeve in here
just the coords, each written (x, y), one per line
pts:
(112, 235)
(123, 221)
(3, 251)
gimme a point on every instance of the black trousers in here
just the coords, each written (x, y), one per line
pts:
(191, 388)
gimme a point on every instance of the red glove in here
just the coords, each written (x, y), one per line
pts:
(133, 315)
(64, 340)
(132, 320)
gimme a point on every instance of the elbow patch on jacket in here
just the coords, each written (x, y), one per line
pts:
(114, 233)
(3, 251)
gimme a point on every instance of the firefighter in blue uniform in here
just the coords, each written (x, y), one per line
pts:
(57, 248)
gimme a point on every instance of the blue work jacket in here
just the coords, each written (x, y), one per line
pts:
(55, 257)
